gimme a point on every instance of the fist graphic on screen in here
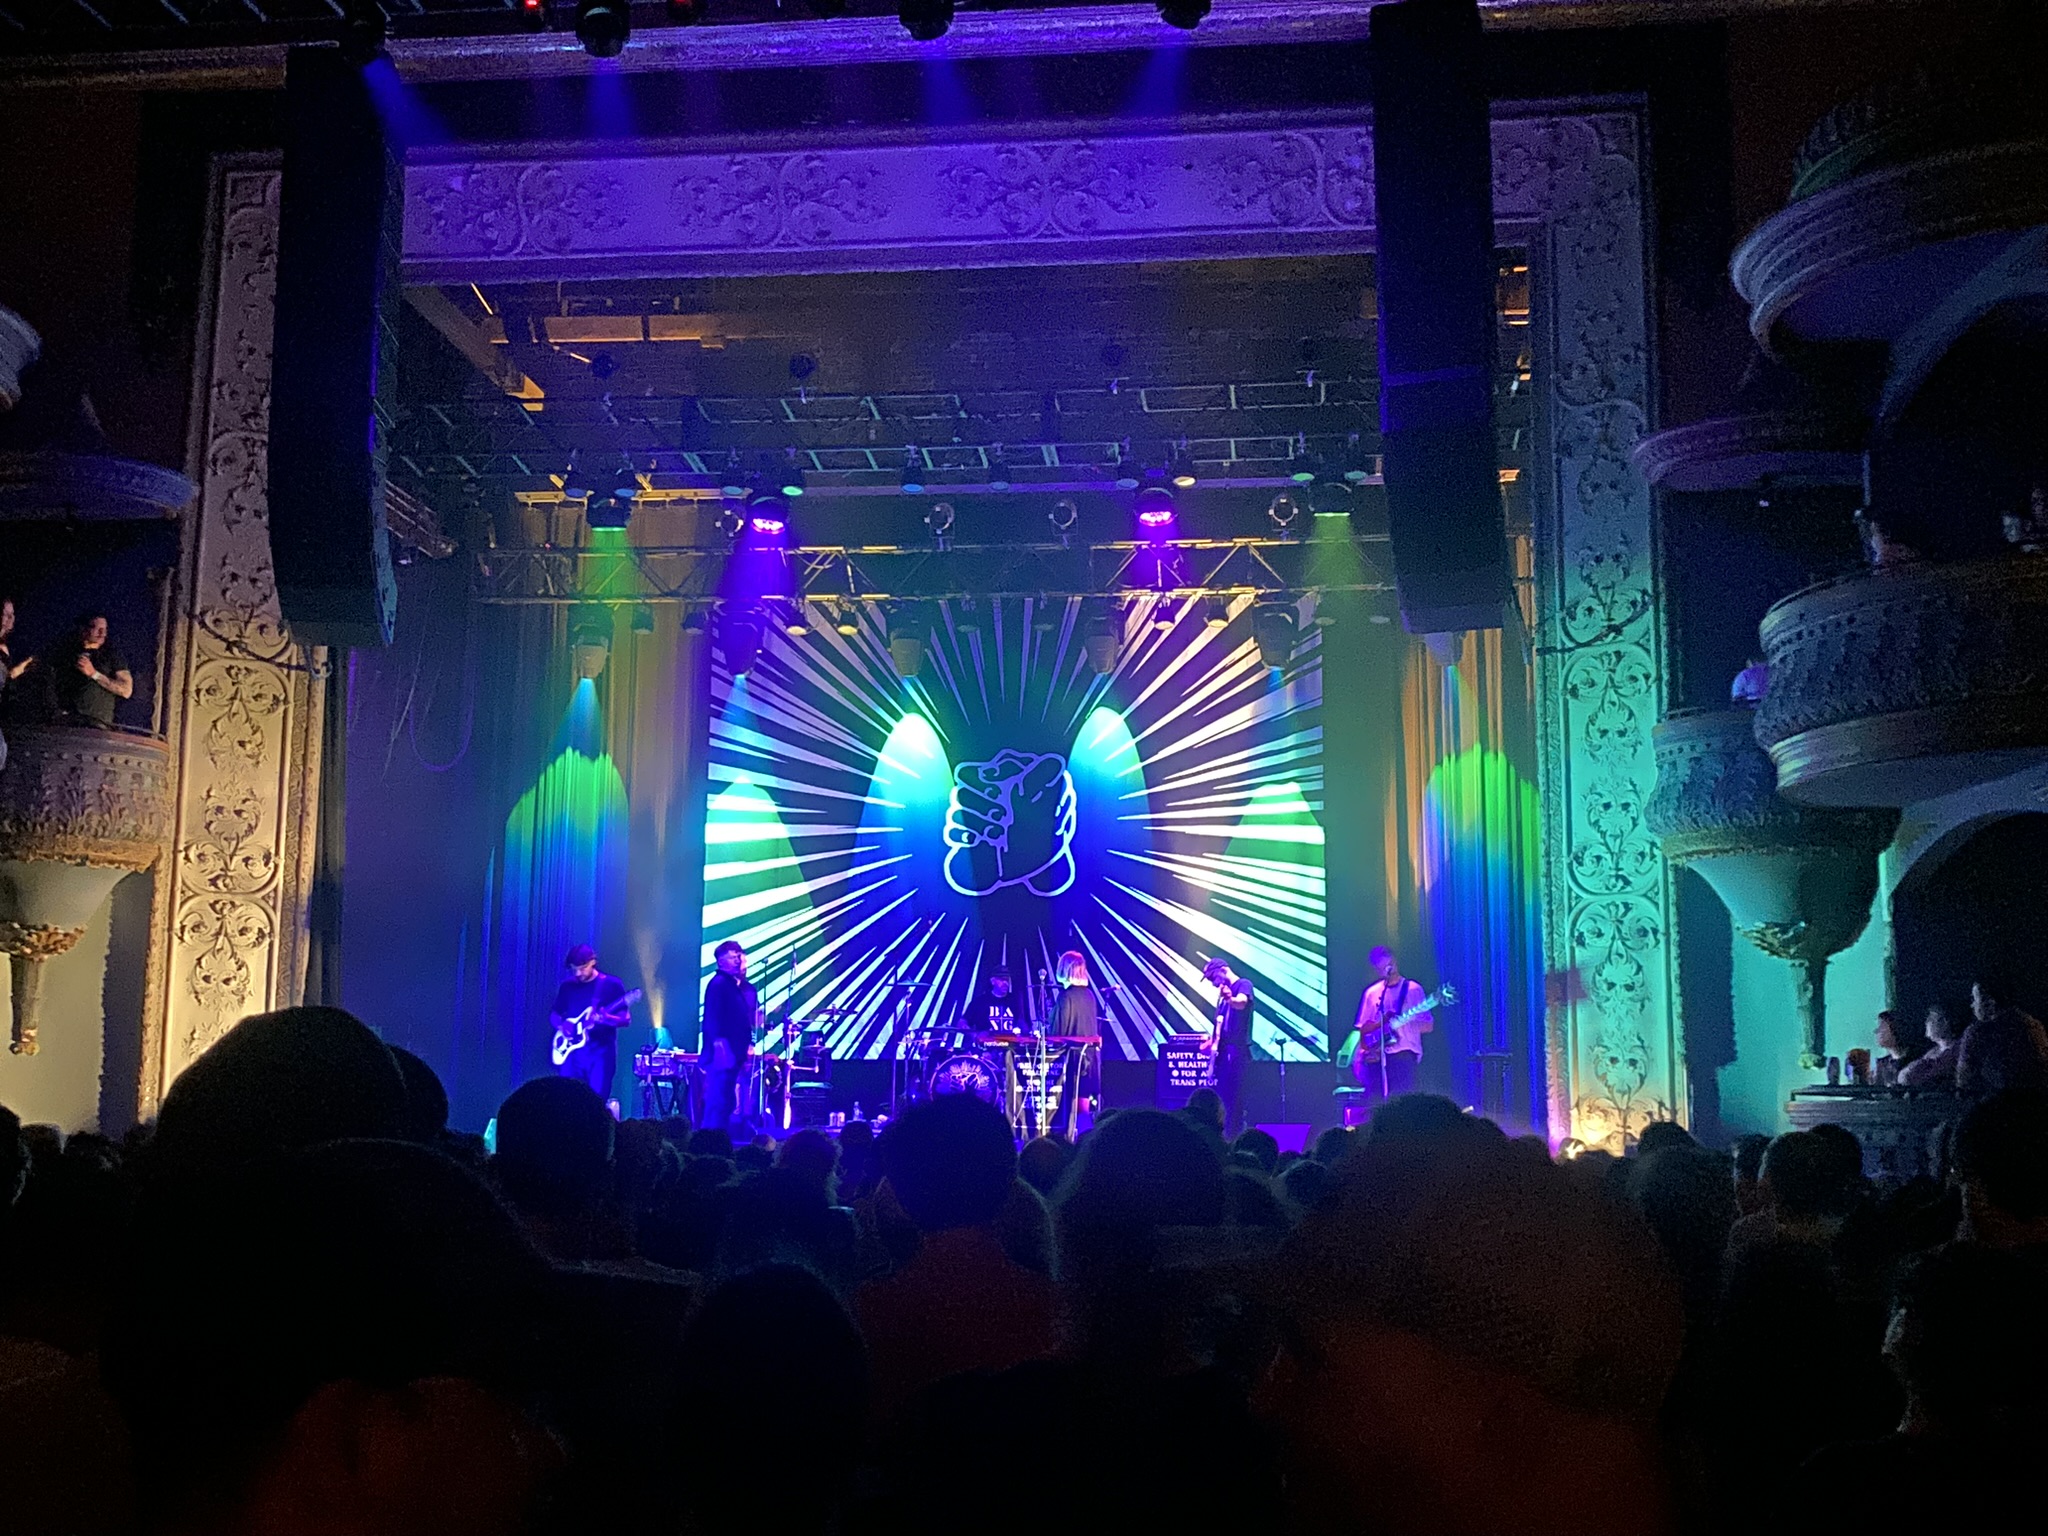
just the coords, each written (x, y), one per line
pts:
(1010, 821)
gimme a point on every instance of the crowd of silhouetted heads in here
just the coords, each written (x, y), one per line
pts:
(299, 1302)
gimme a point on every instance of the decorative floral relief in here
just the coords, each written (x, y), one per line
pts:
(1028, 191)
(501, 210)
(221, 936)
(758, 201)
(1347, 177)
(1277, 181)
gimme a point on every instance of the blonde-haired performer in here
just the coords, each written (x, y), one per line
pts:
(1075, 1014)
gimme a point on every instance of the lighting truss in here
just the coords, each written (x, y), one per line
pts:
(879, 573)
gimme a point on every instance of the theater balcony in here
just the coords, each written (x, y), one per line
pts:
(1899, 195)
(1797, 881)
(1908, 681)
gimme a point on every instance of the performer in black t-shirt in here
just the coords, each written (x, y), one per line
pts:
(994, 1010)
(597, 1061)
(1232, 1039)
(731, 1010)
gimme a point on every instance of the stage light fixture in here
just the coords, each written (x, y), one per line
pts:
(590, 639)
(1046, 613)
(913, 481)
(735, 482)
(608, 512)
(793, 476)
(1216, 612)
(767, 516)
(534, 13)
(940, 521)
(575, 482)
(1304, 470)
(925, 20)
(798, 624)
(1182, 470)
(909, 627)
(731, 521)
(1273, 630)
(643, 619)
(1357, 462)
(1063, 514)
(1101, 635)
(602, 27)
(1185, 14)
(1155, 509)
(363, 29)
(1126, 473)
(847, 620)
(625, 484)
(1282, 511)
(740, 631)
(998, 469)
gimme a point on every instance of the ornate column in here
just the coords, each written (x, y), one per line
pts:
(244, 718)
(1798, 882)
(1616, 1054)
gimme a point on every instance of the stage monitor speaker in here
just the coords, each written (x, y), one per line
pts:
(337, 278)
(1436, 281)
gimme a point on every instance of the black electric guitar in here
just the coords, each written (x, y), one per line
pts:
(1398, 1032)
(574, 1033)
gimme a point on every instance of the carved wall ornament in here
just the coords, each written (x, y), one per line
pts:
(245, 716)
(1568, 184)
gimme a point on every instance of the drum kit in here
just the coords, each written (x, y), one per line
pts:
(1043, 1083)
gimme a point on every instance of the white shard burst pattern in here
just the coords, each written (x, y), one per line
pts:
(1197, 777)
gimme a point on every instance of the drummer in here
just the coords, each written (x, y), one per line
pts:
(994, 1009)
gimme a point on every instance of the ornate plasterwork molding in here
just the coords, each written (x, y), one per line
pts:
(911, 203)
(245, 715)
(1730, 452)
(1861, 223)
(1567, 182)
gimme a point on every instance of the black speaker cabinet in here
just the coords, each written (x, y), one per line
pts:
(337, 277)
(1436, 279)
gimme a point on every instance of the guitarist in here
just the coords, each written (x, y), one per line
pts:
(589, 988)
(1386, 1060)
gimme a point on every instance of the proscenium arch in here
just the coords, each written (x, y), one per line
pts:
(1568, 187)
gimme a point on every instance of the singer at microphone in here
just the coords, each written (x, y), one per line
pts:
(1076, 1014)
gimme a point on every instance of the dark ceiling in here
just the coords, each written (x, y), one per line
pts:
(1064, 374)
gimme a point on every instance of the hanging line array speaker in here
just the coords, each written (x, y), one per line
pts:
(337, 280)
(1436, 280)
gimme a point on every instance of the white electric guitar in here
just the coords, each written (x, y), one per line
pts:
(575, 1033)
(1397, 1032)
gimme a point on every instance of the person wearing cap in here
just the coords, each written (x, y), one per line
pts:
(1231, 1041)
(587, 989)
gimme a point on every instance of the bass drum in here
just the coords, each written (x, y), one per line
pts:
(966, 1074)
